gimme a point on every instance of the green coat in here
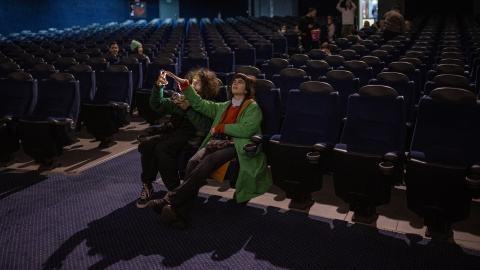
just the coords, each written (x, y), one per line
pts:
(253, 177)
(166, 106)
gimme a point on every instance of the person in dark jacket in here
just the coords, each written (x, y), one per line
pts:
(306, 24)
(160, 152)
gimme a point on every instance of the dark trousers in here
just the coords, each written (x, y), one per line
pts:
(199, 167)
(162, 156)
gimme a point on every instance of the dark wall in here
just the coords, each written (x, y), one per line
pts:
(35, 15)
(424, 7)
(209, 9)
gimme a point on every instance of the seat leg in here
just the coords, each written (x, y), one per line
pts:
(363, 213)
(438, 227)
(300, 198)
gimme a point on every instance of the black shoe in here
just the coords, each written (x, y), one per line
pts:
(172, 218)
(157, 205)
(145, 195)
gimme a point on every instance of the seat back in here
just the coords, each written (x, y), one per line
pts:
(114, 85)
(316, 68)
(245, 54)
(288, 79)
(361, 70)
(86, 77)
(447, 128)
(345, 83)
(268, 98)
(18, 94)
(307, 126)
(404, 87)
(58, 97)
(375, 121)
(274, 66)
(136, 68)
(298, 60)
(222, 61)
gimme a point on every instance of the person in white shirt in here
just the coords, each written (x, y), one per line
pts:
(348, 16)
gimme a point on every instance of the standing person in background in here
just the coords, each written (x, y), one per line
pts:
(306, 24)
(330, 29)
(348, 16)
(394, 24)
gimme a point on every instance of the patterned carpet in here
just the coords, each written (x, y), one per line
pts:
(90, 221)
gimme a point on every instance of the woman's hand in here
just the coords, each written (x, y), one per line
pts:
(177, 79)
(161, 78)
(212, 131)
(182, 104)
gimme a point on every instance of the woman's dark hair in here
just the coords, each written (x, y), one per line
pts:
(208, 80)
(135, 51)
(249, 86)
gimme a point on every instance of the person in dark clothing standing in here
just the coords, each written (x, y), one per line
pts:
(160, 152)
(306, 24)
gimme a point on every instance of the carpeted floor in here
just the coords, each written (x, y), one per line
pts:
(90, 221)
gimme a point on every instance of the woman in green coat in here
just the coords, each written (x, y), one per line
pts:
(237, 120)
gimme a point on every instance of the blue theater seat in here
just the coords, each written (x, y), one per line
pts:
(52, 123)
(443, 166)
(370, 156)
(18, 97)
(304, 130)
(110, 107)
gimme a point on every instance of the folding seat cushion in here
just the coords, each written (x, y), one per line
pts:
(370, 155)
(443, 164)
(51, 126)
(18, 97)
(304, 130)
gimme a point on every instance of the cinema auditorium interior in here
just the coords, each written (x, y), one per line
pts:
(360, 148)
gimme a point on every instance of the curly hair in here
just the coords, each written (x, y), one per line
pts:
(208, 80)
(249, 86)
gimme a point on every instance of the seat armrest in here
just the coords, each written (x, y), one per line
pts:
(319, 150)
(391, 162)
(7, 118)
(61, 122)
(473, 179)
(254, 147)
